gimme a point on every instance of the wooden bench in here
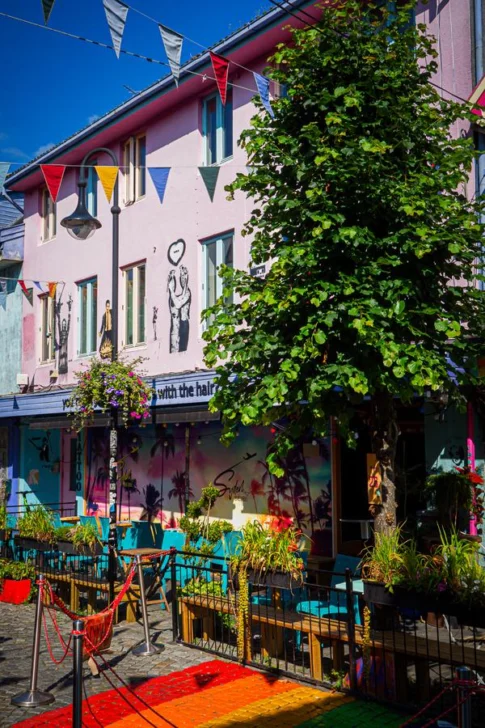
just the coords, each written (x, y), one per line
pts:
(402, 646)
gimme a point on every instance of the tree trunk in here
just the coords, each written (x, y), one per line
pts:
(384, 438)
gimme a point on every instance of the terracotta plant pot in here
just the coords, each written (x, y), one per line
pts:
(15, 592)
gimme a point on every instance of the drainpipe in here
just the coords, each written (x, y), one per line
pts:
(470, 447)
(477, 23)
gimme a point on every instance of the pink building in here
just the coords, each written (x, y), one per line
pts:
(168, 256)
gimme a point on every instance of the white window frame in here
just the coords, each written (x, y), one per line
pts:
(48, 216)
(220, 130)
(136, 305)
(133, 172)
(47, 333)
(220, 241)
(91, 326)
(92, 190)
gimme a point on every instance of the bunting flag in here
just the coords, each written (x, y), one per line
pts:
(116, 13)
(210, 175)
(172, 42)
(4, 167)
(28, 292)
(107, 176)
(263, 87)
(36, 283)
(52, 289)
(53, 174)
(47, 6)
(221, 72)
(159, 177)
(3, 295)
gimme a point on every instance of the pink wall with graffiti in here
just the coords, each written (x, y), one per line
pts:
(153, 465)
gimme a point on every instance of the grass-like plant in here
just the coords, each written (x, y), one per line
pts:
(85, 537)
(270, 547)
(38, 524)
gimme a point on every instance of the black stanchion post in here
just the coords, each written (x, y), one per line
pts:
(146, 647)
(350, 628)
(173, 587)
(33, 697)
(464, 707)
(77, 684)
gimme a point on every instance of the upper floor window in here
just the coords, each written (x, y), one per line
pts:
(217, 128)
(47, 328)
(92, 190)
(135, 293)
(134, 168)
(49, 215)
(88, 315)
(215, 252)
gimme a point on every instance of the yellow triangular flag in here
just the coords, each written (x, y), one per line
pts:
(107, 177)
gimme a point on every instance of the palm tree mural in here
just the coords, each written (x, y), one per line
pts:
(294, 486)
(165, 443)
(97, 447)
(180, 489)
(322, 507)
(152, 504)
(129, 446)
(256, 488)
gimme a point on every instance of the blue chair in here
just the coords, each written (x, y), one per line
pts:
(336, 604)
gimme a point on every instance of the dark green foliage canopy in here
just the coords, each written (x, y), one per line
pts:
(362, 219)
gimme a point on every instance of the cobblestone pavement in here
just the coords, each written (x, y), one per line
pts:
(16, 634)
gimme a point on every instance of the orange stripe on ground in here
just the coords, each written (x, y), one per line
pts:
(198, 709)
(281, 711)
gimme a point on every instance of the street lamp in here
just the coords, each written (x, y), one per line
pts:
(81, 225)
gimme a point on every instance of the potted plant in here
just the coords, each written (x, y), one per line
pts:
(15, 581)
(84, 539)
(3, 522)
(36, 529)
(105, 386)
(202, 535)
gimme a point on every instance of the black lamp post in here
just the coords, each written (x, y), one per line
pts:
(81, 225)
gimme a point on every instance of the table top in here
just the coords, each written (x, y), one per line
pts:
(357, 586)
(70, 519)
(142, 552)
(124, 524)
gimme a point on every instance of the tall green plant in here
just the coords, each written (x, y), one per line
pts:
(368, 239)
(37, 523)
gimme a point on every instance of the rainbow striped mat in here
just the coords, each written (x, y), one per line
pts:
(217, 694)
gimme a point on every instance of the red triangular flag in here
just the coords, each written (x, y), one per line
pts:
(53, 174)
(221, 71)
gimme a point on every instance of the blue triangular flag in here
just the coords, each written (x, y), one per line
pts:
(36, 283)
(263, 87)
(159, 177)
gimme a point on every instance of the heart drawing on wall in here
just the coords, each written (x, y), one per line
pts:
(176, 251)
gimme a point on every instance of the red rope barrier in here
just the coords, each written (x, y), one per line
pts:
(473, 688)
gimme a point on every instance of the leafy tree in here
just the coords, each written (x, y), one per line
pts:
(361, 218)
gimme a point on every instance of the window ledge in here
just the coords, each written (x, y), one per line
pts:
(127, 205)
(134, 347)
(221, 163)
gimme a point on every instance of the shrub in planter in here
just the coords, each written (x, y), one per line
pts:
(85, 539)
(196, 525)
(16, 580)
(36, 529)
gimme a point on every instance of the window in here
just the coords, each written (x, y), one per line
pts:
(217, 128)
(135, 291)
(48, 216)
(47, 328)
(88, 316)
(92, 190)
(215, 252)
(134, 168)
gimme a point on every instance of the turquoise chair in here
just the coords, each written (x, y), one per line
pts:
(336, 604)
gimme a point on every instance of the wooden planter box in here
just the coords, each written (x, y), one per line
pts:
(67, 547)
(15, 591)
(377, 593)
(31, 544)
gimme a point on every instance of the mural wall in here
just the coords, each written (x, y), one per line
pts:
(40, 466)
(154, 484)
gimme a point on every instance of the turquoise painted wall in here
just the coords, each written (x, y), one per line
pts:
(11, 332)
(39, 471)
(446, 441)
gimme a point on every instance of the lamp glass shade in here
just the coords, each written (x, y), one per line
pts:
(81, 224)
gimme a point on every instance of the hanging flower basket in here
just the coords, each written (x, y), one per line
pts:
(107, 386)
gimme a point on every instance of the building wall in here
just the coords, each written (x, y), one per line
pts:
(11, 331)
(147, 229)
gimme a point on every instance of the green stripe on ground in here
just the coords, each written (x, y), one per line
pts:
(356, 715)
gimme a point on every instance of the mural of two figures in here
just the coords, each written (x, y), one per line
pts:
(179, 299)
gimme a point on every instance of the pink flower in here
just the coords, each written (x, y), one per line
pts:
(145, 415)
(131, 374)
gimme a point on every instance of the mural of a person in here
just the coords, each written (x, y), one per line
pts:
(64, 328)
(106, 344)
(179, 307)
(154, 321)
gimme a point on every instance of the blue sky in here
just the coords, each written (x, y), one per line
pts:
(53, 85)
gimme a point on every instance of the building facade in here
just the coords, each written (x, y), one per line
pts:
(168, 258)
